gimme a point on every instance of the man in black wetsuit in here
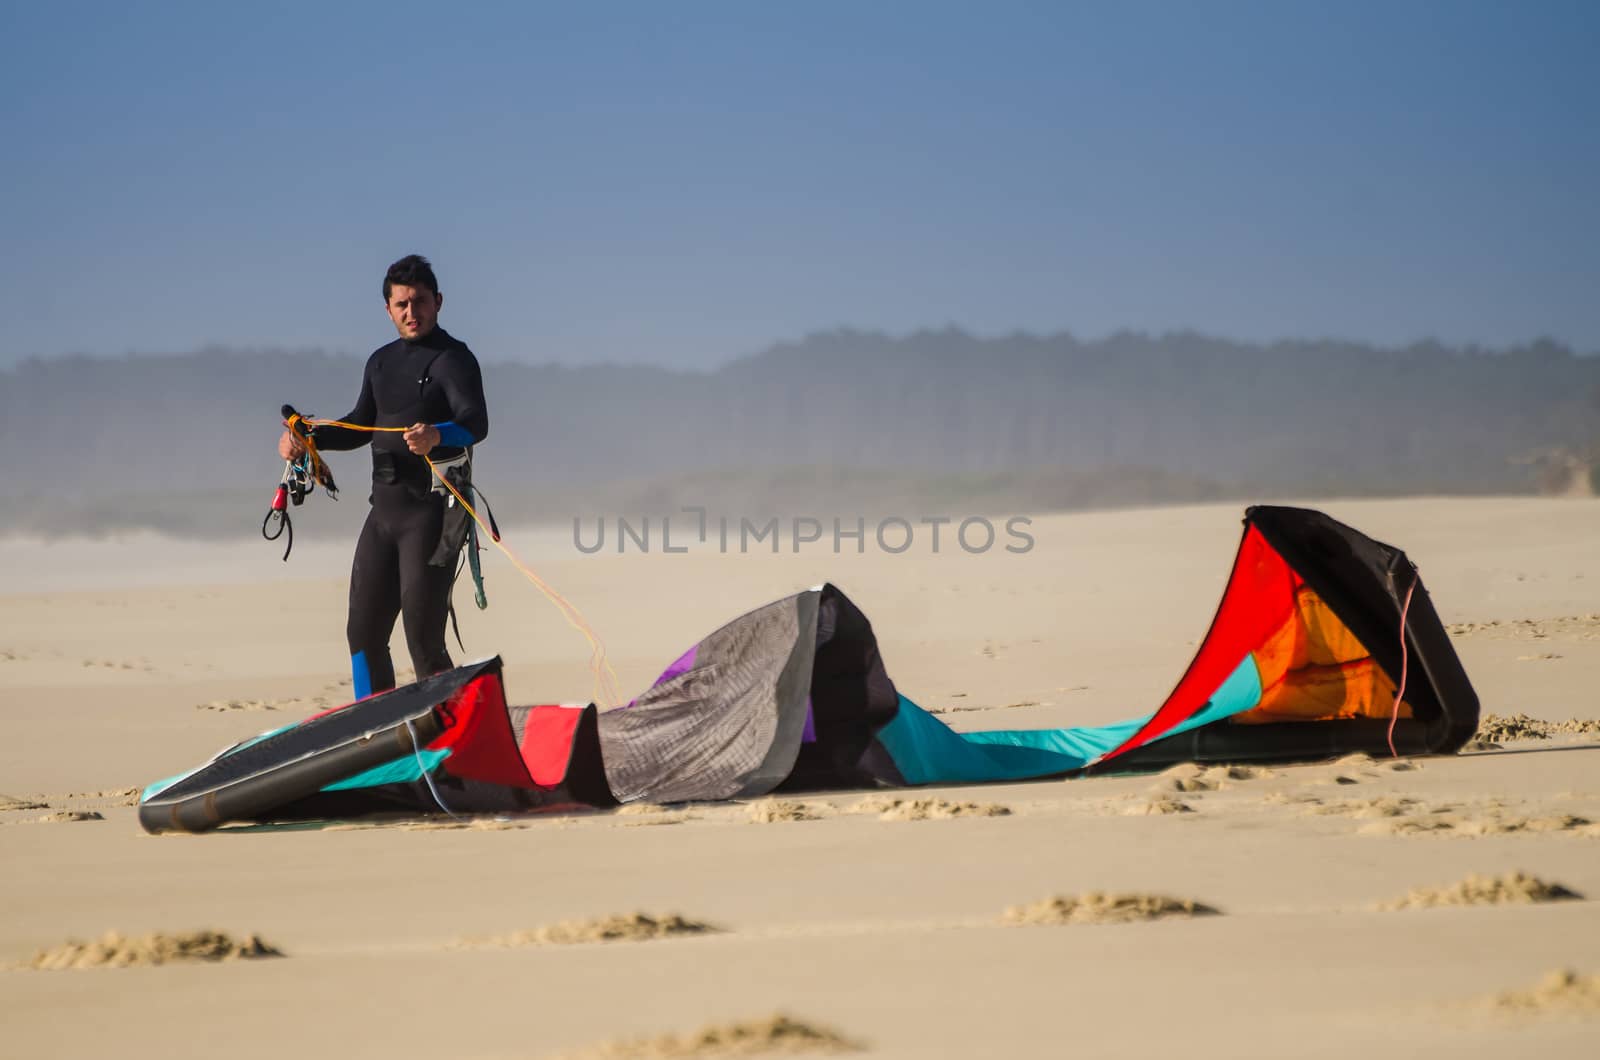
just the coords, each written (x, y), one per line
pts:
(427, 382)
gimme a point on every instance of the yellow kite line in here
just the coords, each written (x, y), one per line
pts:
(605, 678)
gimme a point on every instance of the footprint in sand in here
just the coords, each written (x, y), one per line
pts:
(889, 809)
(479, 824)
(1224, 776)
(1381, 806)
(66, 817)
(639, 809)
(1561, 994)
(1191, 777)
(113, 664)
(72, 806)
(1350, 770)
(774, 1034)
(1101, 907)
(1410, 826)
(238, 704)
(93, 799)
(1445, 824)
(1291, 798)
(625, 927)
(777, 811)
(300, 704)
(1005, 706)
(648, 814)
(1581, 627)
(114, 950)
(1159, 806)
(1497, 729)
(1513, 888)
(1183, 777)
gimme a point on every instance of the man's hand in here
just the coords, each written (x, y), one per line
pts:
(290, 447)
(421, 438)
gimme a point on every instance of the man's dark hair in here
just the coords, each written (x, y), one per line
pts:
(413, 270)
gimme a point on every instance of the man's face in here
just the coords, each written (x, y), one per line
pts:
(414, 310)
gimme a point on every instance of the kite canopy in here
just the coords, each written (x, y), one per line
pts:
(1305, 659)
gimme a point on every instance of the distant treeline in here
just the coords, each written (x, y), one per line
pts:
(841, 421)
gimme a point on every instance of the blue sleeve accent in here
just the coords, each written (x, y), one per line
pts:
(454, 435)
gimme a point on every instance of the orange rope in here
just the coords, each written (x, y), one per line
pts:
(319, 467)
(605, 678)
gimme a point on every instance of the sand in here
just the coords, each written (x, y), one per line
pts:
(777, 1035)
(891, 809)
(1097, 907)
(622, 927)
(1380, 806)
(118, 951)
(1513, 888)
(1495, 729)
(65, 817)
(774, 811)
(1561, 993)
(640, 809)
(1470, 824)
(888, 931)
(1159, 805)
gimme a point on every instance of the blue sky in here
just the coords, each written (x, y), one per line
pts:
(685, 183)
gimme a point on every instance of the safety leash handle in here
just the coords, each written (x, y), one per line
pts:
(277, 523)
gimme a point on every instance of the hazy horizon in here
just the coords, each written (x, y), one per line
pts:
(780, 343)
(850, 422)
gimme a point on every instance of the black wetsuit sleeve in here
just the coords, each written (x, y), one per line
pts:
(462, 381)
(365, 413)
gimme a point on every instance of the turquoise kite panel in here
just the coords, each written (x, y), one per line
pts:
(400, 771)
(927, 751)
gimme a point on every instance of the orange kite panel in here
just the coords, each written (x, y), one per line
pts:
(1314, 669)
